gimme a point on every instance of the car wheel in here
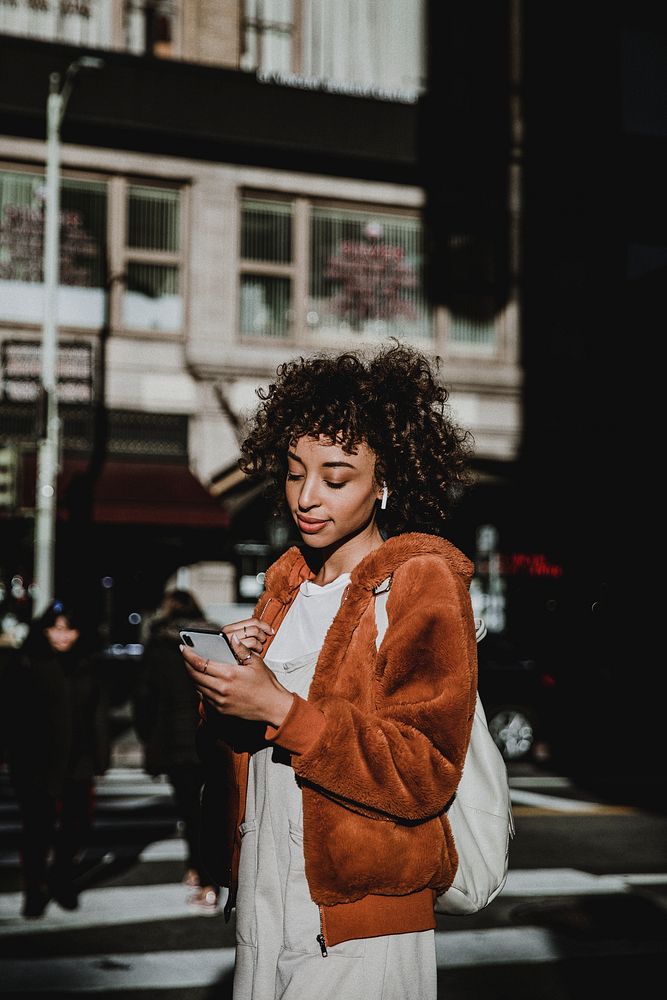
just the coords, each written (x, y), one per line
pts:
(513, 732)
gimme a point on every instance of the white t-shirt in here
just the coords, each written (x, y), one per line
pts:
(305, 625)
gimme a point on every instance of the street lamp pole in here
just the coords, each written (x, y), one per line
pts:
(48, 446)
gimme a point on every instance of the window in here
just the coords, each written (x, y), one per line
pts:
(358, 272)
(152, 299)
(267, 271)
(366, 274)
(142, 252)
(77, 22)
(358, 45)
(152, 27)
(83, 212)
(472, 332)
(268, 35)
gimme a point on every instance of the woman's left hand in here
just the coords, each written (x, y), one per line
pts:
(247, 690)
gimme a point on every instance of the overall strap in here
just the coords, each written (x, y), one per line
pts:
(381, 593)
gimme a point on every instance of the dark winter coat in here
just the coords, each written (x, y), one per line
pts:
(57, 719)
(166, 703)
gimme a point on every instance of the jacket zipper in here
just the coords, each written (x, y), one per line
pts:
(321, 940)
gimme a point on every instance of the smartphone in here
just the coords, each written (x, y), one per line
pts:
(208, 644)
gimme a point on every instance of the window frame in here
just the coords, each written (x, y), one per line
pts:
(118, 253)
(121, 254)
(299, 270)
(123, 38)
(261, 26)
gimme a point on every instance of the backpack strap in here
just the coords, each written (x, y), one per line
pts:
(480, 629)
(381, 594)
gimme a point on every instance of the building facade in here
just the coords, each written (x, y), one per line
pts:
(242, 182)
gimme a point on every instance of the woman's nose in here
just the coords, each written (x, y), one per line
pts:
(308, 497)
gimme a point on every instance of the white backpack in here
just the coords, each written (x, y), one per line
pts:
(480, 814)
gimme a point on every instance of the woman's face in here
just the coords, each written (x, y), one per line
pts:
(331, 495)
(61, 635)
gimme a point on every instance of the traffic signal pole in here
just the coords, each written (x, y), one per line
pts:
(49, 441)
(47, 454)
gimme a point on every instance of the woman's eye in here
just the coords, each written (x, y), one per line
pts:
(292, 477)
(334, 486)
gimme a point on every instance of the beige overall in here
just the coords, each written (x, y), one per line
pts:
(278, 956)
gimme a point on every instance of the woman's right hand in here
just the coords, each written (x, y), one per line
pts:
(251, 633)
(246, 689)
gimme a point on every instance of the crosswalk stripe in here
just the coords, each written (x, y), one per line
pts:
(601, 811)
(572, 882)
(140, 788)
(539, 780)
(524, 946)
(554, 803)
(136, 904)
(205, 967)
(164, 850)
(104, 908)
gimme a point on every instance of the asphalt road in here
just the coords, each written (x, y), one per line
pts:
(583, 914)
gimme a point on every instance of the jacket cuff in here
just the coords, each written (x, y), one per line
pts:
(300, 729)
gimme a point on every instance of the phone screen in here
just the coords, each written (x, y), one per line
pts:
(208, 644)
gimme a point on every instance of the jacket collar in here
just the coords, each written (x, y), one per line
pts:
(287, 574)
(291, 569)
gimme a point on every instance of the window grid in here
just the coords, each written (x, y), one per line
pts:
(151, 298)
(366, 274)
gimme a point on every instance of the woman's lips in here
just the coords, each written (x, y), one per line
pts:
(310, 527)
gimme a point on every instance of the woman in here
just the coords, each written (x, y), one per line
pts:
(59, 742)
(166, 719)
(338, 759)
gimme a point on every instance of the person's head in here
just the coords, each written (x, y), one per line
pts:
(178, 603)
(332, 431)
(58, 629)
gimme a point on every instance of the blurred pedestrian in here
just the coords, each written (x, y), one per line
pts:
(57, 743)
(166, 718)
(337, 759)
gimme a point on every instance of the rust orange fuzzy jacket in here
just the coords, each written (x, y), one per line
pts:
(379, 745)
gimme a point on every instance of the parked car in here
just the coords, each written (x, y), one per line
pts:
(518, 698)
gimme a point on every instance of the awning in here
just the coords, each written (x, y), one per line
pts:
(130, 492)
(235, 490)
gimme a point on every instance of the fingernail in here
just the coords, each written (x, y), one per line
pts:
(181, 648)
(235, 638)
(273, 631)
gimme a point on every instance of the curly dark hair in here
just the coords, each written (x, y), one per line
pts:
(394, 403)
